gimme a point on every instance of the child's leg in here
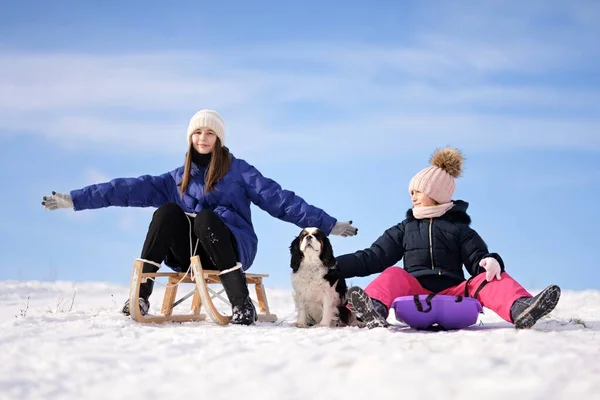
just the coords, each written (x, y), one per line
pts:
(368, 304)
(497, 295)
(394, 282)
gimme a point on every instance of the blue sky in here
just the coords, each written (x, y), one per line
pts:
(341, 103)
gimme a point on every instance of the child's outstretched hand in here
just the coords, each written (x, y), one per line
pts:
(492, 268)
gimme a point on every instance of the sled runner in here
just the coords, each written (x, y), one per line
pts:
(202, 295)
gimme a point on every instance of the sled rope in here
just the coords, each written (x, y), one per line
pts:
(190, 270)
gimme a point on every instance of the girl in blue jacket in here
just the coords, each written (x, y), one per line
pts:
(203, 209)
(435, 241)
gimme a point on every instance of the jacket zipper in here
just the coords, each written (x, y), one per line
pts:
(431, 244)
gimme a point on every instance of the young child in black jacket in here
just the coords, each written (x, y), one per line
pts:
(435, 241)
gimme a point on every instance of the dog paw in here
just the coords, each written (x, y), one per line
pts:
(300, 324)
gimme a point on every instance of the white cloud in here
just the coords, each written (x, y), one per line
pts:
(444, 86)
(395, 135)
(77, 216)
(127, 223)
(95, 176)
(134, 220)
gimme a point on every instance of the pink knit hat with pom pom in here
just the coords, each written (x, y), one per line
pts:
(437, 180)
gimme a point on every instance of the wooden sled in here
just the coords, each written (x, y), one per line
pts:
(202, 293)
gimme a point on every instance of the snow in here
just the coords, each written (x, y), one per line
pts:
(87, 349)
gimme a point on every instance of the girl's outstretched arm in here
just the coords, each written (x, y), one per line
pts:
(281, 203)
(385, 252)
(143, 191)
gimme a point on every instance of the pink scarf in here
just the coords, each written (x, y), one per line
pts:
(431, 211)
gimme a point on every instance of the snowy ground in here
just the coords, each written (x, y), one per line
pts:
(88, 350)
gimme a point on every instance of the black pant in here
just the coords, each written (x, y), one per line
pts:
(168, 240)
(170, 232)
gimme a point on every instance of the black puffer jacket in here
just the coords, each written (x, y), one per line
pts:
(434, 250)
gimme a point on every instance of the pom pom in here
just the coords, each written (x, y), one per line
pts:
(448, 159)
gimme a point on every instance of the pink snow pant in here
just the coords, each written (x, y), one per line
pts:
(497, 295)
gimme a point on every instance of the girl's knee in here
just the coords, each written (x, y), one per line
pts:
(394, 272)
(391, 275)
(204, 219)
(167, 211)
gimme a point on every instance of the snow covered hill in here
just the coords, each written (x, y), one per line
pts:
(67, 340)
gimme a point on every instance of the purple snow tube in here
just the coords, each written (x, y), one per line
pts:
(437, 312)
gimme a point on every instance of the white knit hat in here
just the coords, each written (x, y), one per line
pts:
(207, 119)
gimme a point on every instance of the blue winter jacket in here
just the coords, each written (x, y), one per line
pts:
(230, 200)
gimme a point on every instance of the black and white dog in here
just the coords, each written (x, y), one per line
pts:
(319, 291)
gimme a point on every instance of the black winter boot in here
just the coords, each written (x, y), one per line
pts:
(144, 307)
(145, 291)
(366, 309)
(380, 308)
(243, 310)
(526, 311)
(244, 314)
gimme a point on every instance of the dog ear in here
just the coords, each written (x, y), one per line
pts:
(296, 254)
(326, 256)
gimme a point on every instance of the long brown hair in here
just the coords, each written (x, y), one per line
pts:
(220, 162)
